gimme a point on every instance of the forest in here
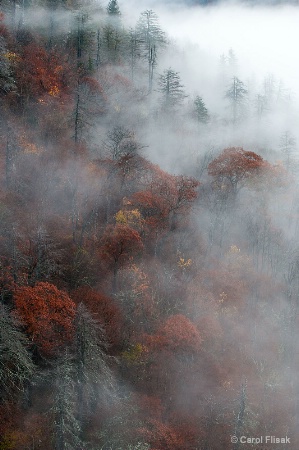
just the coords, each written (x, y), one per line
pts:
(149, 253)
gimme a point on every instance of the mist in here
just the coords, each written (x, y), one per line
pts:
(263, 40)
(149, 225)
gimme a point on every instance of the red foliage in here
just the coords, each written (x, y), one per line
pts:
(234, 165)
(92, 83)
(161, 436)
(186, 190)
(180, 333)
(47, 314)
(104, 309)
(39, 72)
(176, 333)
(119, 243)
(227, 287)
(151, 207)
(166, 198)
(150, 407)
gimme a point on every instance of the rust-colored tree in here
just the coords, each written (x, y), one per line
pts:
(119, 245)
(104, 310)
(47, 314)
(40, 73)
(179, 333)
(234, 166)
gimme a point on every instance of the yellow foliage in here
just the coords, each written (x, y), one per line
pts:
(140, 284)
(234, 249)
(184, 263)
(8, 442)
(223, 297)
(131, 218)
(227, 385)
(54, 91)
(11, 56)
(237, 260)
(134, 354)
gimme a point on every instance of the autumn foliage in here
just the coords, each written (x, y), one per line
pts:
(234, 166)
(47, 314)
(140, 309)
(178, 333)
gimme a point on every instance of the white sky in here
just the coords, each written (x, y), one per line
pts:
(265, 39)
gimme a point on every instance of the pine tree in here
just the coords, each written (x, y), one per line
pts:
(6, 79)
(200, 110)
(169, 84)
(236, 94)
(113, 8)
(92, 373)
(16, 366)
(152, 37)
(288, 147)
(66, 427)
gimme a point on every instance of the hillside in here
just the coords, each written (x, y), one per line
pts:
(149, 240)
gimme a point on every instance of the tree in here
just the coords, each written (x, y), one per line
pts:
(169, 84)
(90, 102)
(104, 310)
(41, 257)
(7, 58)
(200, 111)
(121, 142)
(234, 166)
(152, 36)
(241, 416)
(236, 94)
(232, 61)
(178, 333)
(134, 44)
(288, 147)
(47, 314)
(113, 8)
(16, 366)
(65, 425)
(118, 245)
(93, 375)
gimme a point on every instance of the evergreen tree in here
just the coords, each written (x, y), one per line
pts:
(172, 90)
(151, 36)
(200, 110)
(134, 49)
(6, 79)
(288, 148)
(113, 8)
(16, 367)
(236, 94)
(93, 376)
(66, 426)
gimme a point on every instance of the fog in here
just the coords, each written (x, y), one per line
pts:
(263, 40)
(222, 261)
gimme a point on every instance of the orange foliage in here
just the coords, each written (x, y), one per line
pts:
(47, 314)
(39, 72)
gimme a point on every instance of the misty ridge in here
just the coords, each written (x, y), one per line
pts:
(149, 223)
